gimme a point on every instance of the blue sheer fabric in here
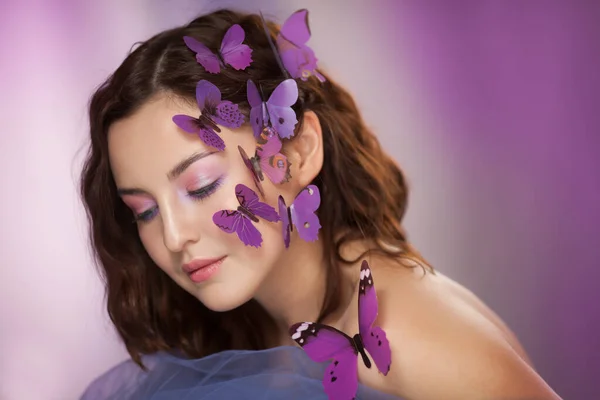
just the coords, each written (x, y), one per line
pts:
(280, 373)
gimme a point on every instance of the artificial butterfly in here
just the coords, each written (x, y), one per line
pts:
(232, 51)
(241, 220)
(323, 342)
(213, 112)
(268, 161)
(299, 59)
(301, 214)
(276, 112)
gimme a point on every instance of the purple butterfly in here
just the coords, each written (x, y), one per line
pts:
(276, 112)
(268, 161)
(301, 214)
(232, 51)
(322, 343)
(213, 112)
(240, 220)
(297, 57)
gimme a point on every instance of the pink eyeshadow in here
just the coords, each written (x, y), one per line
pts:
(201, 174)
(137, 203)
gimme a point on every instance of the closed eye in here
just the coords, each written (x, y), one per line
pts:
(206, 191)
(197, 195)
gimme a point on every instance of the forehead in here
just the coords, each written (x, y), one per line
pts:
(149, 143)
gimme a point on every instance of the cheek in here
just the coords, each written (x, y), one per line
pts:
(153, 243)
(270, 251)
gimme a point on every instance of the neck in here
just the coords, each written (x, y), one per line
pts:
(295, 289)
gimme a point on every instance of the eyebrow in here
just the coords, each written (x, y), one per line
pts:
(175, 172)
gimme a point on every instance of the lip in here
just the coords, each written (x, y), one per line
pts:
(199, 270)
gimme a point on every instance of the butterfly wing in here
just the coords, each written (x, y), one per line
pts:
(303, 61)
(208, 95)
(323, 343)
(285, 221)
(255, 174)
(228, 114)
(340, 379)
(297, 57)
(227, 220)
(248, 199)
(204, 56)
(295, 29)
(270, 147)
(187, 123)
(279, 108)
(234, 53)
(303, 211)
(211, 138)
(374, 338)
(293, 35)
(277, 168)
(256, 107)
(234, 221)
(225, 113)
(248, 233)
(274, 164)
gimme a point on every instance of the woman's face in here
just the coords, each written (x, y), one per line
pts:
(174, 183)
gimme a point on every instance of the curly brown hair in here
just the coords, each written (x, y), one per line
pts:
(364, 192)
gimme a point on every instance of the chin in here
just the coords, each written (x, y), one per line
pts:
(220, 300)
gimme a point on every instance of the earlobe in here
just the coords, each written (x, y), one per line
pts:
(306, 150)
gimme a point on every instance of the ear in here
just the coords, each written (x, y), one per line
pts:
(306, 151)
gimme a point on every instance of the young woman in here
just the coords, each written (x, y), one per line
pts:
(190, 228)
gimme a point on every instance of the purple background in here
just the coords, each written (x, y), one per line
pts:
(491, 107)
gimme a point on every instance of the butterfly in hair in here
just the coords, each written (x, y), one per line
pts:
(213, 111)
(276, 112)
(322, 343)
(298, 59)
(232, 51)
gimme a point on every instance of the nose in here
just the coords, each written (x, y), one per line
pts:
(179, 229)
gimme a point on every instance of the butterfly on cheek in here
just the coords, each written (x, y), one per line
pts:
(241, 221)
(269, 161)
(301, 214)
(322, 343)
(232, 51)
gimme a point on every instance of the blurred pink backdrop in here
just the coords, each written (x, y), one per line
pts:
(491, 108)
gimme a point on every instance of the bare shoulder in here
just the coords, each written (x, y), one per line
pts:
(445, 342)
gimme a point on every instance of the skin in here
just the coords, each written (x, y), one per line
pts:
(445, 342)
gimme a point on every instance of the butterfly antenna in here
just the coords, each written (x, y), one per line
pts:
(262, 95)
(260, 89)
(275, 51)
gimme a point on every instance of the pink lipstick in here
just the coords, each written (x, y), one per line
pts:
(201, 269)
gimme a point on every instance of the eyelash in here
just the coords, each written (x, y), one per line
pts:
(196, 195)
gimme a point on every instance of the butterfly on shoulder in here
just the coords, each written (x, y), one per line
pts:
(241, 221)
(213, 111)
(322, 343)
(298, 59)
(232, 51)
